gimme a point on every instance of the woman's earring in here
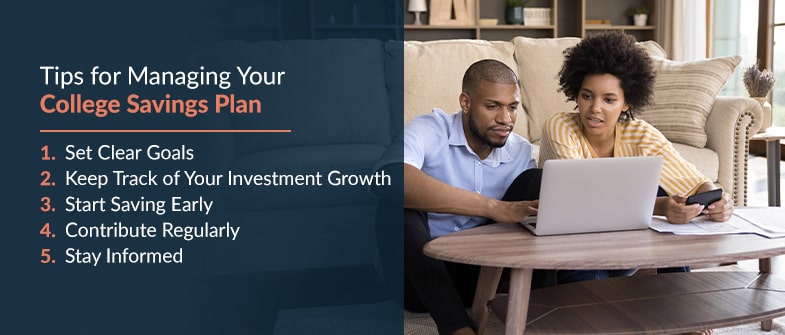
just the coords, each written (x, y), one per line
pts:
(628, 114)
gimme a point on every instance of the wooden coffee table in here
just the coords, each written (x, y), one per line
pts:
(662, 304)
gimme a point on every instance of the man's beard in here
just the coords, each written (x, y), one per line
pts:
(484, 137)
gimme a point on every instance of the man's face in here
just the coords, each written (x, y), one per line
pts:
(491, 109)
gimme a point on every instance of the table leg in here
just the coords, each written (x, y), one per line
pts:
(773, 158)
(764, 266)
(487, 285)
(518, 303)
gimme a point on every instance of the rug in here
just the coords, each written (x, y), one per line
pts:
(422, 324)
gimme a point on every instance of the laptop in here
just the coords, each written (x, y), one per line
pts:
(596, 195)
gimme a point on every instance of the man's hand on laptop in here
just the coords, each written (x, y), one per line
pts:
(514, 211)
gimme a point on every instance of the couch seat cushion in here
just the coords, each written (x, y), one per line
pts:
(706, 160)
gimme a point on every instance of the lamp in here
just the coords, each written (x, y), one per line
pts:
(417, 7)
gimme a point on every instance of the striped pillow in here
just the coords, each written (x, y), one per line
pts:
(683, 95)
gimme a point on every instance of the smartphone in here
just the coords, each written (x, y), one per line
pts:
(705, 198)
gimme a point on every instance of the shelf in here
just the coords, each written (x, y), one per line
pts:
(577, 10)
(499, 26)
(615, 27)
(513, 26)
(616, 11)
(430, 27)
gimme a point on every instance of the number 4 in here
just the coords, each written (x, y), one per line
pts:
(45, 230)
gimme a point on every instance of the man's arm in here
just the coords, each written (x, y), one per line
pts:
(423, 192)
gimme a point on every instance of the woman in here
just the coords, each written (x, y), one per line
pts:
(611, 78)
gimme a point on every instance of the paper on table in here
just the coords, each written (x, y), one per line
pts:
(740, 223)
(700, 226)
(771, 219)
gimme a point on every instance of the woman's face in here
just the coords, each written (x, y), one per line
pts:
(600, 103)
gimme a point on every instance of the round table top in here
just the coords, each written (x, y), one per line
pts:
(511, 245)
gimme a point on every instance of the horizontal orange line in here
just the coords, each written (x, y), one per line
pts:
(165, 131)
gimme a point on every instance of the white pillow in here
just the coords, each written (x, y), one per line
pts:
(683, 95)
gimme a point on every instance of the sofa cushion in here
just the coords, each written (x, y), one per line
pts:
(653, 49)
(539, 61)
(434, 72)
(360, 115)
(683, 95)
(705, 160)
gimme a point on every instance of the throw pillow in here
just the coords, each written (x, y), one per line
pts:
(433, 72)
(539, 61)
(683, 95)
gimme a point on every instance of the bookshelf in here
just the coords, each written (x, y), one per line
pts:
(475, 28)
(568, 19)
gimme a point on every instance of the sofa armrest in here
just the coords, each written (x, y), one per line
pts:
(729, 126)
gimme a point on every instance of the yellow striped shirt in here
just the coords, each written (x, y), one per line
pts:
(562, 138)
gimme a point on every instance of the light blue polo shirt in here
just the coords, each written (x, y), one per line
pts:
(435, 144)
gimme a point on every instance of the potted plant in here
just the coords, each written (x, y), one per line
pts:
(759, 84)
(640, 14)
(515, 11)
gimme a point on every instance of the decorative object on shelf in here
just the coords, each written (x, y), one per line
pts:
(489, 22)
(534, 16)
(417, 7)
(597, 22)
(759, 84)
(442, 12)
(640, 14)
(515, 11)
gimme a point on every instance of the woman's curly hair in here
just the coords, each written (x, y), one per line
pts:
(614, 53)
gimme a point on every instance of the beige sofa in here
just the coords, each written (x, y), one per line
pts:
(711, 132)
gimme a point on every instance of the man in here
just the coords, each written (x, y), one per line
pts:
(457, 168)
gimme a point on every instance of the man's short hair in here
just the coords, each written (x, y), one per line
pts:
(489, 70)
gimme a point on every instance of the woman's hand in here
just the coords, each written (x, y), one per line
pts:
(720, 210)
(676, 210)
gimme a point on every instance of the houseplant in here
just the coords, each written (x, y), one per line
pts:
(640, 14)
(515, 11)
(759, 84)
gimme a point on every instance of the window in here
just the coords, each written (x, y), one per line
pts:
(735, 32)
(778, 64)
